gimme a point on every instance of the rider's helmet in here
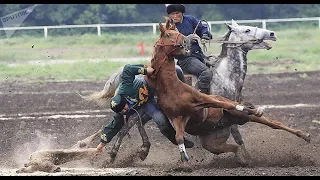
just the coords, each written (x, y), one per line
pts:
(175, 7)
(117, 103)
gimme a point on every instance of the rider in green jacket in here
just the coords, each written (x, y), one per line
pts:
(135, 93)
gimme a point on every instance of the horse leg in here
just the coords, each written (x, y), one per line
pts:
(179, 124)
(235, 129)
(145, 147)
(124, 130)
(251, 109)
(85, 143)
(44, 166)
(238, 139)
(271, 123)
(215, 143)
(216, 101)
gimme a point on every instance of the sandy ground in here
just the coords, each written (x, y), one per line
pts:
(51, 115)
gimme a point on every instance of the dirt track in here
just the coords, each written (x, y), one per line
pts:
(52, 115)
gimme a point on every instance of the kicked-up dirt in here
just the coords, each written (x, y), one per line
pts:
(51, 115)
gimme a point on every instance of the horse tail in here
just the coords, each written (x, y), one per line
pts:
(103, 97)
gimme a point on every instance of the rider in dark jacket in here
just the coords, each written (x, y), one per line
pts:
(134, 93)
(194, 63)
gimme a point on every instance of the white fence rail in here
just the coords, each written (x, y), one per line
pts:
(155, 25)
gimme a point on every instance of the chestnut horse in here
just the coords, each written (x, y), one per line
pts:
(190, 110)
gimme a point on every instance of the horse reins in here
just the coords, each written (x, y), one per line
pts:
(254, 40)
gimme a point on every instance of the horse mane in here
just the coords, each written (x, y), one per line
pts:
(225, 37)
(103, 97)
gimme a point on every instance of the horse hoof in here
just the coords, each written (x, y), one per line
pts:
(260, 111)
(307, 137)
(243, 157)
(20, 170)
(184, 157)
(105, 164)
(58, 169)
(112, 157)
(144, 151)
(82, 144)
(143, 155)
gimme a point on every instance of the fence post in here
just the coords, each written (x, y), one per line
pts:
(154, 27)
(45, 32)
(99, 30)
(264, 24)
(209, 24)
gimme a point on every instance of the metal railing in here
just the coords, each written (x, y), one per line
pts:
(155, 25)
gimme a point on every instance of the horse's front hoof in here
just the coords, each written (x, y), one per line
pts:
(184, 157)
(112, 157)
(260, 111)
(143, 152)
(243, 157)
(57, 169)
(22, 170)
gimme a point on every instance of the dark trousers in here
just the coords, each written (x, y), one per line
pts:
(149, 111)
(192, 65)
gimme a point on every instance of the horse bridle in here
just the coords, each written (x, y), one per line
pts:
(162, 44)
(238, 44)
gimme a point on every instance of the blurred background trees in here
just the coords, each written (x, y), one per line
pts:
(67, 14)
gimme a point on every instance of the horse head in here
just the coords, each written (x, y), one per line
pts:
(173, 42)
(170, 44)
(249, 37)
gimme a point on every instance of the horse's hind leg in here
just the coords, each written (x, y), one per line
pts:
(272, 123)
(216, 144)
(217, 101)
(239, 140)
(235, 129)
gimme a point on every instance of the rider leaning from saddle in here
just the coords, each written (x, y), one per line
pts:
(134, 93)
(194, 63)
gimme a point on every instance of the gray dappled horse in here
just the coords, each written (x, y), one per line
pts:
(229, 70)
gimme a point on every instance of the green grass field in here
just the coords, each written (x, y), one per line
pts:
(295, 50)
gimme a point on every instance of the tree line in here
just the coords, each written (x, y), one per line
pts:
(69, 14)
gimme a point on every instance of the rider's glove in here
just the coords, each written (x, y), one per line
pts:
(205, 36)
(204, 39)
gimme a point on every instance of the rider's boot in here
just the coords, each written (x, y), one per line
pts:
(171, 135)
